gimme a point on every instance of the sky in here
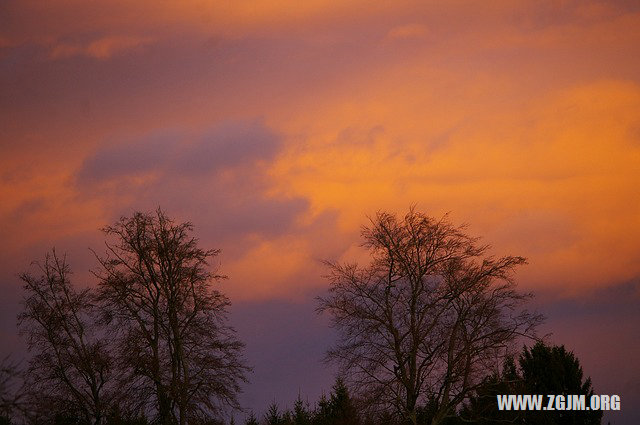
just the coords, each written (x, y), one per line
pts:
(278, 127)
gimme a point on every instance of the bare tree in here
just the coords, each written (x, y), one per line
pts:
(11, 390)
(425, 319)
(181, 357)
(70, 367)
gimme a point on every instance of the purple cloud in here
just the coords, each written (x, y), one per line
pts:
(179, 153)
(181, 172)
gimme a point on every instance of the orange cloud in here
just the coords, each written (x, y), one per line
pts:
(568, 162)
(408, 31)
(521, 119)
(271, 269)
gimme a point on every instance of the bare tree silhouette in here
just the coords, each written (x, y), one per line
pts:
(11, 389)
(70, 368)
(173, 339)
(420, 324)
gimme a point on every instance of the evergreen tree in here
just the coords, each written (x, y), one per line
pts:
(338, 409)
(482, 407)
(554, 370)
(322, 413)
(343, 411)
(301, 414)
(273, 415)
(251, 420)
(542, 370)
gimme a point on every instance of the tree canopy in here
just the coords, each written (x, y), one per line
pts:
(174, 343)
(423, 321)
(151, 341)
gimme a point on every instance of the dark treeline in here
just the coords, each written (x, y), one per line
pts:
(542, 369)
(425, 332)
(539, 370)
(338, 408)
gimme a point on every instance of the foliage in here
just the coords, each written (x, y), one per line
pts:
(342, 409)
(554, 370)
(301, 414)
(251, 419)
(542, 370)
(273, 415)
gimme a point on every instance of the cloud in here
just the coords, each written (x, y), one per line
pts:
(5, 42)
(219, 179)
(26, 18)
(181, 154)
(408, 31)
(521, 118)
(552, 179)
(229, 144)
(102, 48)
(28, 208)
(130, 158)
(215, 178)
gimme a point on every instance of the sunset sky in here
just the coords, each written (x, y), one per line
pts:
(277, 127)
